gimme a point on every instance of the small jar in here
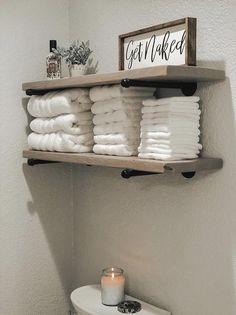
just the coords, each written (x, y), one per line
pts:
(112, 286)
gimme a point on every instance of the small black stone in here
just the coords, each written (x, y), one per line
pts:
(129, 307)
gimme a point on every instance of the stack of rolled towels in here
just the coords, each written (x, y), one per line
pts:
(170, 128)
(117, 116)
(63, 121)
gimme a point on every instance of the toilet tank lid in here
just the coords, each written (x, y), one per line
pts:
(87, 299)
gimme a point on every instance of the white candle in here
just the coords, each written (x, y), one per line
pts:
(112, 284)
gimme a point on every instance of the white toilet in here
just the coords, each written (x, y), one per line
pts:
(87, 301)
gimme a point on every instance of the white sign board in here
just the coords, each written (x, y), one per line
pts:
(166, 44)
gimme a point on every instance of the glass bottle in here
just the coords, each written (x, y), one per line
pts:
(53, 62)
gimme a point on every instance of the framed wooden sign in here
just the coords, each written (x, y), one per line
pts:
(172, 43)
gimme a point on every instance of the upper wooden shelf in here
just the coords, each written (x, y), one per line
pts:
(157, 73)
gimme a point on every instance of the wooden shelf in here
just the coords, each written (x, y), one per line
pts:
(170, 74)
(157, 73)
(127, 162)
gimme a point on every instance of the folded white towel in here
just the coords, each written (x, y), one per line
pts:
(117, 116)
(114, 104)
(170, 100)
(56, 103)
(69, 123)
(117, 138)
(185, 114)
(185, 129)
(171, 122)
(175, 108)
(101, 93)
(171, 135)
(173, 151)
(177, 141)
(60, 142)
(172, 145)
(118, 127)
(115, 149)
(156, 156)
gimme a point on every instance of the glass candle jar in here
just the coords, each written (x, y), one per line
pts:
(112, 286)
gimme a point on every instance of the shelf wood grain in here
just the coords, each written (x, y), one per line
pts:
(157, 73)
(127, 162)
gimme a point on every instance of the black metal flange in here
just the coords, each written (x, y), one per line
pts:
(188, 174)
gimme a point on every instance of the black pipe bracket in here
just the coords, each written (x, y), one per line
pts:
(33, 162)
(128, 173)
(187, 88)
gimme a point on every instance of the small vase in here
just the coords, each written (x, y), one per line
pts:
(77, 70)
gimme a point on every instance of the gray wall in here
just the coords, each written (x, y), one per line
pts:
(174, 237)
(36, 207)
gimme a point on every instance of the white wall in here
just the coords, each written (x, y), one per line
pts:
(36, 209)
(174, 237)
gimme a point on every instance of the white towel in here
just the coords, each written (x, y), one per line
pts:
(117, 116)
(170, 100)
(118, 127)
(174, 113)
(117, 138)
(171, 122)
(185, 129)
(60, 142)
(156, 156)
(74, 124)
(171, 135)
(116, 149)
(177, 141)
(171, 145)
(175, 108)
(173, 151)
(114, 104)
(56, 103)
(101, 93)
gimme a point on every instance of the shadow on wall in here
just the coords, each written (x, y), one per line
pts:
(29, 118)
(51, 192)
(174, 237)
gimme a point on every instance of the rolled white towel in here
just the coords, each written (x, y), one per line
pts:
(117, 127)
(170, 157)
(170, 135)
(106, 92)
(170, 100)
(175, 108)
(115, 149)
(59, 142)
(117, 138)
(56, 103)
(114, 104)
(117, 116)
(69, 123)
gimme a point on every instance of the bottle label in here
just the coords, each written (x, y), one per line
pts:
(53, 67)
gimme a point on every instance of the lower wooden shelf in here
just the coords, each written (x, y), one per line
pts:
(134, 163)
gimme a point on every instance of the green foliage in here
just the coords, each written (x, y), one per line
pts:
(78, 53)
